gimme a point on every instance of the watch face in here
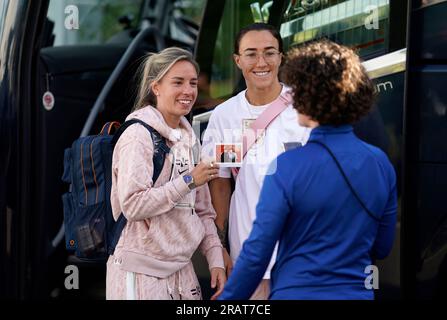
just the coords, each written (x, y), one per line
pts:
(187, 178)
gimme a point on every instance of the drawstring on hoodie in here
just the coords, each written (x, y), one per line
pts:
(169, 290)
(177, 275)
(176, 282)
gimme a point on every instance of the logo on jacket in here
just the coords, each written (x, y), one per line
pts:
(182, 165)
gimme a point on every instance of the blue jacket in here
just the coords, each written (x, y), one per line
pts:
(326, 238)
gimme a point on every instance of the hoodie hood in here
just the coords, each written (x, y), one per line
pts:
(155, 119)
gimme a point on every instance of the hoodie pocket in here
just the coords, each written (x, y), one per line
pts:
(147, 223)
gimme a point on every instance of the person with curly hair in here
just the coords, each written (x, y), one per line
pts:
(332, 204)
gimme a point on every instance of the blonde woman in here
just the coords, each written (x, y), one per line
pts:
(168, 220)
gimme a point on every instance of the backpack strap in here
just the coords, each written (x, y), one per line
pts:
(372, 215)
(160, 146)
(160, 151)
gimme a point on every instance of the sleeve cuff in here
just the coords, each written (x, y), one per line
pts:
(215, 258)
(181, 187)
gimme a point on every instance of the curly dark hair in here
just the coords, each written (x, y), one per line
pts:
(329, 83)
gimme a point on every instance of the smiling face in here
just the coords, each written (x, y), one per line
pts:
(259, 74)
(176, 92)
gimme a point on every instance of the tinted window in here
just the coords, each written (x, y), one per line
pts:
(421, 3)
(430, 35)
(79, 22)
(187, 16)
(361, 24)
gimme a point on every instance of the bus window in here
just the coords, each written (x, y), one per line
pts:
(360, 24)
(186, 19)
(85, 22)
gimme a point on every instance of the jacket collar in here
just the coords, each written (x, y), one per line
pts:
(327, 129)
(155, 119)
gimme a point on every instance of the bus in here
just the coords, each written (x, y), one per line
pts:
(85, 53)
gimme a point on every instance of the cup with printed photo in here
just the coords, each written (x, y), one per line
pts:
(228, 154)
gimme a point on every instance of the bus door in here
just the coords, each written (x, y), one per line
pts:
(425, 169)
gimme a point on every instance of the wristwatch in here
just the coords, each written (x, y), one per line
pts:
(189, 180)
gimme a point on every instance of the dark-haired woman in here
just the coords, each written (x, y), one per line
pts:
(332, 203)
(258, 54)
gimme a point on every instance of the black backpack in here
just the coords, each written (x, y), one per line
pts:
(90, 229)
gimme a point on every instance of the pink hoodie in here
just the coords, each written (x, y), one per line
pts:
(163, 231)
